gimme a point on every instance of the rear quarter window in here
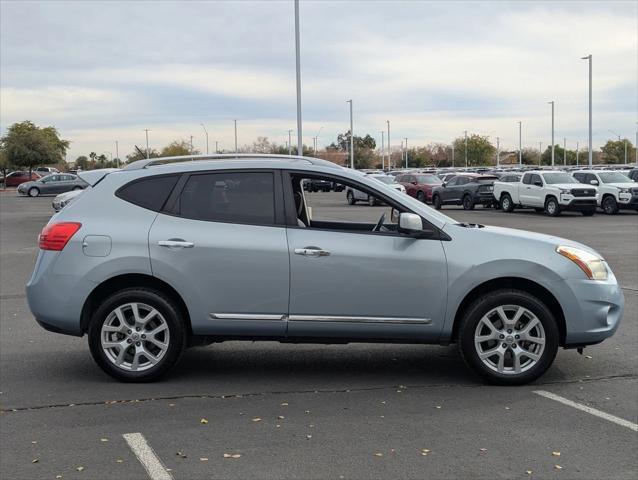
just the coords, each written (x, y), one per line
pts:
(148, 192)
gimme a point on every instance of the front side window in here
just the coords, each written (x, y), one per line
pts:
(535, 179)
(580, 177)
(527, 179)
(237, 197)
(453, 181)
(428, 179)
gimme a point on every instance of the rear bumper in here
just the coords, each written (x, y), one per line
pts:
(484, 197)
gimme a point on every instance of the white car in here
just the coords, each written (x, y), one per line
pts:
(62, 200)
(615, 189)
(353, 196)
(552, 192)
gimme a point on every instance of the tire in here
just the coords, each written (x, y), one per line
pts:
(350, 197)
(34, 192)
(609, 204)
(588, 213)
(507, 205)
(468, 203)
(506, 345)
(436, 201)
(372, 201)
(552, 207)
(173, 336)
(420, 196)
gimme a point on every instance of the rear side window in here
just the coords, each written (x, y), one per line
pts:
(244, 197)
(150, 192)
(527, 178)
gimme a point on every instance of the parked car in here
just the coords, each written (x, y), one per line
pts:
(633, 174)
(152, 258)
(552, 192)
(90, 177)
(46, 170)
(52, 184)
(313, 185)
(14, 179)
(353, 196)
(62, 200)
(419, 186)
(615, 190)
(466, 189)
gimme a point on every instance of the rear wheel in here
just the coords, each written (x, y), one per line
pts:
(34, 192)
(420, 196)
(436, 201)
(610, 206)
(137, 335)
(552, 207)
(506, 203)
(468, 203)
(350, 197)
(508, 337)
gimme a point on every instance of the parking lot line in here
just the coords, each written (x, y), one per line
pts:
(590, 410)
(147, 457)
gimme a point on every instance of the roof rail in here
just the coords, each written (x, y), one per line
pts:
(148, 162)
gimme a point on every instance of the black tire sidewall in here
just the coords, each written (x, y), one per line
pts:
(613, 205)
(33, 189)
(165, 306)
(436, 201)
(509, 207)
(557, 209)
(420, 196)
(507, 297)
(467, 202)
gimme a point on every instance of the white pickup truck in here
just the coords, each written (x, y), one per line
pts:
(615, 189)
(552, 192)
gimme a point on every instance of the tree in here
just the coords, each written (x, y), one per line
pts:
(4, 163)
(140, 154)
(614, 151)
(27, 145)
(480, 150)
(262, 145)
(364, 155)
(82, 162)
(178, 148)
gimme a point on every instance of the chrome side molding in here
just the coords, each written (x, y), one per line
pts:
(246, 316)
(353, 319)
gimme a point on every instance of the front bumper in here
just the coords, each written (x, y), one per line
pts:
(570, 203)
(628, 201)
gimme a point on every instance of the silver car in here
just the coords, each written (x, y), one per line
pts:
(353, 195)
(156, 257)
(55, 183)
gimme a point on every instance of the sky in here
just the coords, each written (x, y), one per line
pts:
(102, 71)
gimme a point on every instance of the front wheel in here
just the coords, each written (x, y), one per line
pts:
(420, 196)
(552, 207)
(468, 203)
(436, 201)
(137, 335)
(350, 197)
(610, 206)
(34, 192)
(508, 337)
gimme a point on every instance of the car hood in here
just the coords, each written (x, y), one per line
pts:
(569, 186)
(622, 185)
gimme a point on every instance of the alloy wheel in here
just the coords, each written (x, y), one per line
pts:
(509, 339)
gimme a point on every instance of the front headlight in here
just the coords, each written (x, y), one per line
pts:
(565, 191)
(593, 265)
(624, 190)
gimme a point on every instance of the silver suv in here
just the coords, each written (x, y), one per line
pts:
(157, 257)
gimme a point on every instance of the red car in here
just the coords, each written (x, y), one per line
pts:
(16, 178)
(419, 185)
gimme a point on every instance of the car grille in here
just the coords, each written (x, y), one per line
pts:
(634, 191)
(486, 188)
(583, 192)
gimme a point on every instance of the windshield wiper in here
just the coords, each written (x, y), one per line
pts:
(470, 225)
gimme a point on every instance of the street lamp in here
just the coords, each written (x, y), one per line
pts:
(351, 137)
(289, 142)
(520, 144)
(564, 151)
(389, 150)
(298, 65)
(382, 150)
(147, 152)
(540, 153)
(235, 135)
(465, 148)
(498, 151)
(552, 104)
(117, 153)
(206, 132)
(591, 152)
(406, 152)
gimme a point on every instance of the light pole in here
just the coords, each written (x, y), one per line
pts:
(382, 150)
(191, 152)
(147, 152)
(298, 65)
(520, 144)
(206, 132)
(617, 134)
(235, 135)
(351, 137)
(406, 153)
(452, 154)
(540, 153)
(117, 153)
(289, 142)
(552, 104)
(389, 150)
(590, 152)
(317, 139)
(625, 151)
(498, 152)
(577, 153)
(465, 148)
(564, 151)
(216, 146)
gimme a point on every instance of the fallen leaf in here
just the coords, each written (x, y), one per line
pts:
(529, 472)
(438, 407)
(181, 455)
(558, 467)
(308, 436)
(35, 460)
(507, 408)
(483, 449)
(203, 421)
(378, 454)
(556, 454)
(307, 411)
(236, 455)
(58, 476)
(226, 455)
(280, 417)
(285, 404)
(425, 450)
(256, 419)
(425, 454)
(588, 357)
(119, 460)
(278, 426)
(104, 439)
(203, 459)
(80, 468)
(34, 442)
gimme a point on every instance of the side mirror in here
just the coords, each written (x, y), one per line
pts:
(593, 182)
(413, 182)
(538, 183)
(444, 184)
(410, 223)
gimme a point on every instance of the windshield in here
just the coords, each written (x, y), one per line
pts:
(559, 177)
(428, 179)
(384, 178)
(484, 180)
(614, 177)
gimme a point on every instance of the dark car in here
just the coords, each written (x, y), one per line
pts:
(55, 183)
(467, 190)
(16, 178)
(633, 174)
(510, 177)
(419, 186)
(316, 185)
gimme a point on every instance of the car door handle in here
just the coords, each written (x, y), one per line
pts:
(312, 252)
(175, 243)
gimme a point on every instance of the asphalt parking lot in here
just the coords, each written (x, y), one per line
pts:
(267, 410)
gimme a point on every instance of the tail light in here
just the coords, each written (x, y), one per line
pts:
(57, 235)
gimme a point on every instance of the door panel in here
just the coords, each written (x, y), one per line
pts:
(234, 278)
(365, 285)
